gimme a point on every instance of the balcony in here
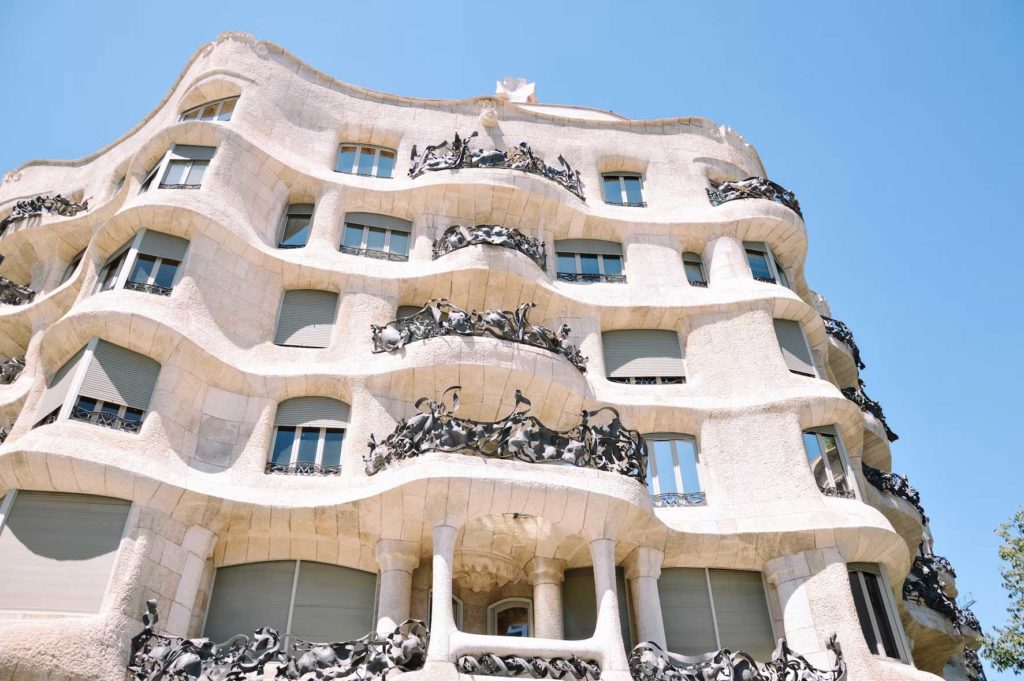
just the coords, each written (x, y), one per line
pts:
(925, 586)
(868, 405)
(676, 499)
(896, 485)
(15, 294)
(753, 188)
(457, 236)
(842, 333)
(33, 208)
(10, 369)
(302, 468)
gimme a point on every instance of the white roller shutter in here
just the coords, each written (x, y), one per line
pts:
(741, 609)
(323, 412)
(595, 246)
(686, 608)
(579, 605)
(57, 551)
(642, 352)
(247, 597)
(59, 386)
(162, 245)
(794, 346)
(306, 319)
(121, 376)
(192, 153)
(333, 603)
(377, 220)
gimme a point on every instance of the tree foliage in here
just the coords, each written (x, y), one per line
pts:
(1006, 649)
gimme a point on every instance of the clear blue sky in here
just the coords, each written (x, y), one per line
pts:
(898, 126)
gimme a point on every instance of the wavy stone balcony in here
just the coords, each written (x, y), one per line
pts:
(869, 406)
(35, 207)
(457, 236)
(753, 188)
(896, 485)
(925, 586)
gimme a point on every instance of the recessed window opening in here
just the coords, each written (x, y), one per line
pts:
(153, 275)
(764, 266)
(376, 236)
(828, 462)
(510, 617)
(876, 612)
(673, 473)
(643, 357)
(218, 110)
(366, 160)
(624, 189)
(589, 261)
(693, 265)
(308, 436)
(298, 221)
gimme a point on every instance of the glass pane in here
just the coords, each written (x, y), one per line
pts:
(687, 452)
(399, 243)
(346, 159)
(612, 264)
(588, 264)
(296, 230)
(195, 175)
(783, 279)
(666, 467)
(862, 612)
(566, 262)
(694, 272)
(283, 444)
(386, 164)
(209, 111)
(353, 236)
(650, 474)
(165, 275)
(815, 458)
(308, 439)
(881, 615)
(226, 109)
(133, 415)
(375, 239)
(86, 403)
(759, 265)
(143, 269)
(612, 189)
(332, 447)
(175, 171)
(634, 193)
(512, 621)
(110, 408)
(190, 115)
(365, 161)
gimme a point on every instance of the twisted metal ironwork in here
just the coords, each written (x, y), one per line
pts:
(753, 188)
(457, 236)
(975, 672)
(832, 491)
(648, 662)
(155, 657)
(842, 333)
(866, 404)
(924, 585)
(302, 468)
(4, 432)
(609, 446)
(439, 317)
(489, 664)
(897, 485)
(10, 369)
(148, 288)
(588, 278)
(374, 253)
(101, 418)
(14, 294)
(458, 154)
(674, 499)
(35, 207)
(180, 186)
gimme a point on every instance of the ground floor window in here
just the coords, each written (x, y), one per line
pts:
(510, 617)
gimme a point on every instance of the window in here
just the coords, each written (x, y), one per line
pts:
(72, 266)
(112, 270)
(828, 462)
(643, 357)
(376, 236)
(709, 609)
(673, 476)
(763, 264)
(219, 110)
(308, 436)
(694, 267)
(298, 220)
(589, 261)
(149, 263)
(186, 166)
(306, 319)
(456, 609)
(876, 612)
(510, 617)
(109, 414)
(624, 189)
(147, 182)
(302, 599)
(794, 348)
(57, 551)
(153, 275)
(361, 159)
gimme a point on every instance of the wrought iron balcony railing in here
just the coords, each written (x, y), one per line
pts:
(377, 255)
(580, 277)
(628, 204)
(106, 420)
(10, 369)
(841, 332)
(15, 294)
(866, 404)
(32, 208)
(3, 434)
(830, 491)
(766, 280)
(148, 288)
(528, 666)
(674, 499)
(925, 586)
(302, 468)
(701, 284)
(975, 672)
(180, 186)
(753, 188)
(457, 236)
(896, 485)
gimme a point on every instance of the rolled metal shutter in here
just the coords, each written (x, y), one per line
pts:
(307, 318)
(120, 375)
(579, 605)
(163, 245)
(57, 551)
(686, 609)
(59, 386)
(323, 412)
(333, 603)
(794, 346)
(192, 153)
(247, 597)
(596, 246)
(642, 352)
(377, 220)
(741, 610)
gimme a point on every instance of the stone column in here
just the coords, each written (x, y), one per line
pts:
(546, 575)
(397, 560)
(608, 631)
(726, 260)
(442, 620)
(643, 567)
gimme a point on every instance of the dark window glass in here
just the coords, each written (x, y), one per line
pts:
(634, 193)
(862, 612)
(112, 270)
(588, 264)
(209, 111)
(283, 444)
(110, 408)
(175, 172)
(133, 415)
(196, 172)
(365, 162)
(353, 236)
(694, 270)
(333, 440)
(386, 164)
(142, 269)
(513, 621)
(308, 439)
(759, 265)
(165, 275)
(399, 243)
(612, 189)
(86, 403)
(346, 160)
(296, 230)
(567, 263)
(881, 615)
(612, 264)
(226, 109)
(190, 115)
(375, 238)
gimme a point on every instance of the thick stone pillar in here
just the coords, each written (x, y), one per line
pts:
(608, 632)
(442, 620)
(726, 261)
(397, 560)
(546, 575)
(643, 567)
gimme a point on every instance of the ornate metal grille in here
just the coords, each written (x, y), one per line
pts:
(106, 420)
(897, 485)
(975, 672)
(830, 491)
(753, 188)
(628, 204)
(457, 236)
(866, 404)
(3, 434)
(15, 294)
(148, 288)
(766, 280)
(925, 586)
(372, 253)
(841, 332)
(10, 369)
(674, 499)
(32, 208)
(180, 186)
(303, 468)
(592, 278)
(489, 664)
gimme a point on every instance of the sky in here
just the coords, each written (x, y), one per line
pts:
(894, 123)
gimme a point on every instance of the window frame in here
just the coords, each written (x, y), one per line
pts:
(359, 147)
(695, 259)
(778, 273)
(653, 481)
(150, 285)
(130, 254)
(577, 277)
(72, 267)
(507, 604)
(365, 252)
(284, 225)
(316, 466)
(624, 202)
(844, 460)
(78, 412)
(891, 612)
(219, 103)
(189, 164)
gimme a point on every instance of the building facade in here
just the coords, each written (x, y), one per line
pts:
(546, 381)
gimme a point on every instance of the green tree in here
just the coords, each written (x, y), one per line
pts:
(1006, 649)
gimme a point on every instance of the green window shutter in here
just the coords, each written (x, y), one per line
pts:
(333, 603)
(741, 609)
(377, 220)
(247, 597)
(57, 551)
(306, 319)
(794, 346)
(59, 386)
(642, 352)
(579, 604)
(162, 245)
(686, 608)
(192, 153)
(595, 246)
(121, 376)
(322, 412)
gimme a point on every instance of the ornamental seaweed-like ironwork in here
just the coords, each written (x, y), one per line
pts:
(440, 318)
(924, 585)
(15, 294)
(10, 369)
(842, 333)
(607, 447)
(866, 404)
(458, 154)
(648, 662)
(897, 485)
(489, 664)
(457, 236)
(155, 657)
(753, 188)
(675, 499)
(34, 207)
(975, 672)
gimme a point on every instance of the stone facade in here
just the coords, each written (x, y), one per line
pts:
(442, 523)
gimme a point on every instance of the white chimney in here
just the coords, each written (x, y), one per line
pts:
(516, 90)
